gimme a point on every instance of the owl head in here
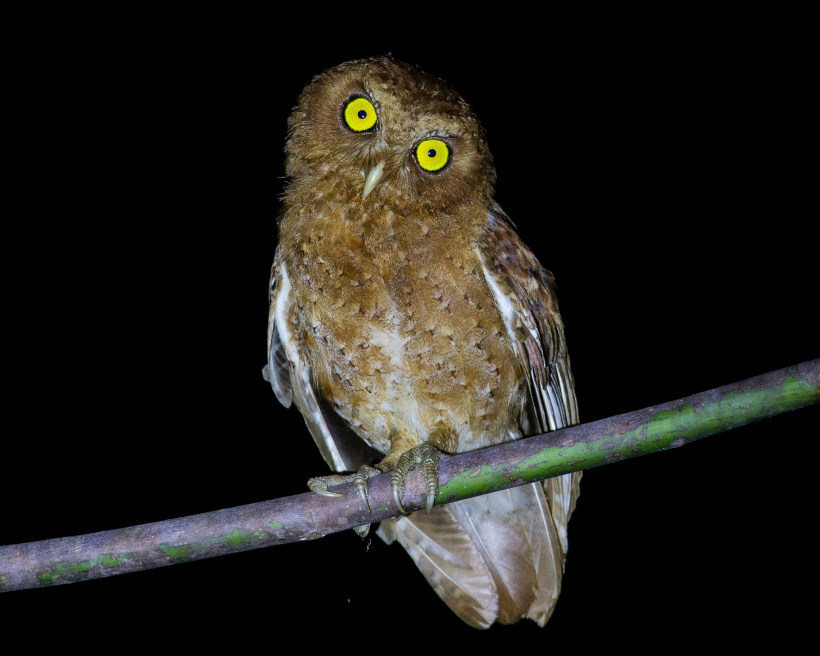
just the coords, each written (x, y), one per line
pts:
(384, 131)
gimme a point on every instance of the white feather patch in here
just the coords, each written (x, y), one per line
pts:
(280, 314)
(503, 303)
(305, 397)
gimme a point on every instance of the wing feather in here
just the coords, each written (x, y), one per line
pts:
(518, 281)
(277, 371)
(289, 373)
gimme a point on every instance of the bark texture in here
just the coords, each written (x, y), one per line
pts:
(310, 516)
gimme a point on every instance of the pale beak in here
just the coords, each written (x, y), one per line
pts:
(373, 177)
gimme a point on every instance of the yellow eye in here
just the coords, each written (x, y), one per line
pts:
(360, 115)
(432, 155)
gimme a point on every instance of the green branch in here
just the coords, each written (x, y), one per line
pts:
(309, 516)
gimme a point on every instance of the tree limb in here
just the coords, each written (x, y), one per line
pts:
(309, 516)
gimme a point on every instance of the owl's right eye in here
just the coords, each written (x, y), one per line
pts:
(360, 115)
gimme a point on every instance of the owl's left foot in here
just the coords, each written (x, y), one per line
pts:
(320, 484)
(426, 456)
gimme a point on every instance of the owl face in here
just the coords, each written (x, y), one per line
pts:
(386, 130)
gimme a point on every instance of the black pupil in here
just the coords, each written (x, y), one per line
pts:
(362, 114)
(431, 153)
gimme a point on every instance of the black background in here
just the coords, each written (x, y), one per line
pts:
(663, 175)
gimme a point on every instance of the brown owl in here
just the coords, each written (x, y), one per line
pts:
(408, 320)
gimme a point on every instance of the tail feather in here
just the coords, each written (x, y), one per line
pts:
(518, 540)
(562, 493)
(513, 572)
(445, 553)
(548, 556)
(496, 557)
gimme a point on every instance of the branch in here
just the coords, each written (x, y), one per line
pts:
(310, 516)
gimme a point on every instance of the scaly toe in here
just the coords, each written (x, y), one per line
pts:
(429, 467)
(360, 481)
(427, 457)
(397, 482)
(362, 531)
(319, 486)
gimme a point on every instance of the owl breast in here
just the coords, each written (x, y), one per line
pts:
(401, 326)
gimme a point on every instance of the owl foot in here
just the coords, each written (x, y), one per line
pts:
(320, 484)
(427, 457)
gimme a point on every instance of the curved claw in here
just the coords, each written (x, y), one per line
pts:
(360, 481)
(319, 486)
(397, 492)
(430, 469)
(361, 487)
(431, 498)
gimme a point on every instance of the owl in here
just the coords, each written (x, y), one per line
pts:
(408, 321)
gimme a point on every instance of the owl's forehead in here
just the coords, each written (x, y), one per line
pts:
(403, 95)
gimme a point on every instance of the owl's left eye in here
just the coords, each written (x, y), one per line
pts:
(432, 155)
(360, 115)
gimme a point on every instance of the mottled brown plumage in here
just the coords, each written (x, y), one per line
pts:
(405, 307)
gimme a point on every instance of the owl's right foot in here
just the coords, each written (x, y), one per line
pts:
(320, 484)
(426, 456)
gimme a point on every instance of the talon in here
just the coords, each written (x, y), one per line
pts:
(361, 487)
(320, 487)
(360, 481)
(430, 469)
(431, 497)
(397, 494)
(320, 484)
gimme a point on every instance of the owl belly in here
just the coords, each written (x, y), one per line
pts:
(412, 348)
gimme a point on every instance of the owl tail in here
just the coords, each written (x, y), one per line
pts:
(497, 557)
